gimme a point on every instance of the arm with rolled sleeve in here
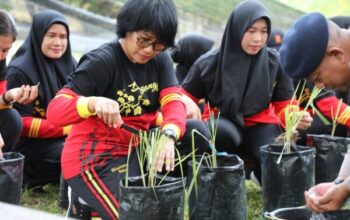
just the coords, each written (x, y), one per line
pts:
(173, 110)
(68, 108)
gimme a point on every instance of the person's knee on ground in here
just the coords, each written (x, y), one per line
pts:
(10, 128)
(228, 136)
(201, 135)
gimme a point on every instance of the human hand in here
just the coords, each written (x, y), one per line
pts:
(23, 95)
(2, 143)
(165, 154)
(107, 110)
(305, 122)
(326, 197)
(192, 109)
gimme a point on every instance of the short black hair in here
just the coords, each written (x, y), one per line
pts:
(7, 25)
(156, 16)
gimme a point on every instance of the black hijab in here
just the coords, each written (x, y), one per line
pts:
(51, 73)
(275, 38)
(241, 84)
(189, 49)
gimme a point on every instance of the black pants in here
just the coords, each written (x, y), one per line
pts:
(254, 138)
(10, 128)
(228, 135)
(245, 143)
(42, 163)
(99, 185)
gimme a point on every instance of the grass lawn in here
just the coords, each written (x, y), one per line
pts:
(49, 202)
(45, 202)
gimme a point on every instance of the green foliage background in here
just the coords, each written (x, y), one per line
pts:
(219, 9)
(327, 7)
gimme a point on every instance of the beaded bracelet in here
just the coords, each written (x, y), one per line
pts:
(6, 101)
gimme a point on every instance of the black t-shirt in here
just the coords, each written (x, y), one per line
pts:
(108, 72)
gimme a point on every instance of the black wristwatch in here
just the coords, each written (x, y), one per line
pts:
(170, 133)
(338, 181)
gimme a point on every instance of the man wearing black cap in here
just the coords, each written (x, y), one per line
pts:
(317, 49)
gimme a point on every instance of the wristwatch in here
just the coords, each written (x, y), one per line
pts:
(338, 181)
(170, 133)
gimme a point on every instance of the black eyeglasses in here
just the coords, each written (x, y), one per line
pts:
(145, 42)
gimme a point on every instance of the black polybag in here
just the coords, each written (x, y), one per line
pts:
(221, 190)
(11, 177)
(284, 183)
(330, 152)
(163, 202)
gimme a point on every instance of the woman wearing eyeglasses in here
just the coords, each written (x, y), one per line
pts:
(123, 83)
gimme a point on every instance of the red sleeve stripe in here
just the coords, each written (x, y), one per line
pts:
(344, 116)
(65, 95)
(34, 128)
(170, 97)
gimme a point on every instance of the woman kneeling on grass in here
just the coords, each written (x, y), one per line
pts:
(126, 82)
(45, 57)
(243, 80)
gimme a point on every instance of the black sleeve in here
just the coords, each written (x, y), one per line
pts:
(165, 71)
(15, 79)
(2, 69)
(193, 83)
(91, 76)
(283, 88)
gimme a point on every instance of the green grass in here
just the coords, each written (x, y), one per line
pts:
(254, 200)
(49, 202)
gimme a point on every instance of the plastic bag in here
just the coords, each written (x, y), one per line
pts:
(284, 183)
(221, 190)
(11, 177)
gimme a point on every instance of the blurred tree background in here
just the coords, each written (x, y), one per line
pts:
(219, 9)
(214, 13)
(329, 8)
(207, 17)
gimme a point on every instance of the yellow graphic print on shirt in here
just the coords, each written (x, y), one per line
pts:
(38, 110)
(130, 104)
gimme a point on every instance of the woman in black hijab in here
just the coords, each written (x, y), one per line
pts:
(243, 80)
(45, 57)
(188, 49)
